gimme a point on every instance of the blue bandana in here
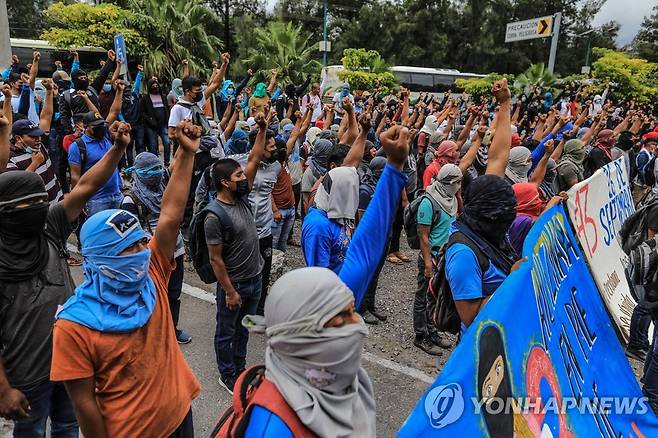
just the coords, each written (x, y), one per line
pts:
(238, 143)
(117, 295)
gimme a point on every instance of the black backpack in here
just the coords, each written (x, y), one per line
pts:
(634, 229)
(440, 303)
(648, 175)
(82, 148)
(198, 247)
(411, 219)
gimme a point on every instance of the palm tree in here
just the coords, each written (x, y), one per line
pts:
(285, 48)
(176, 30)
(535, 77)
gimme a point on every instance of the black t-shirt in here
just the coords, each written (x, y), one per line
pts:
(27, 310)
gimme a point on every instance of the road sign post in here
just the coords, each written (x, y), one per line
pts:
(556, 35)
(541, 27)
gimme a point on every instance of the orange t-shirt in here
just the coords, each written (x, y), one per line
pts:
(144, 386)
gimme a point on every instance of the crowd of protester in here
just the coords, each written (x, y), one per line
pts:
(219, 174)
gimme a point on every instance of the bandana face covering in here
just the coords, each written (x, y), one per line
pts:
(117, 295)
(23, 244)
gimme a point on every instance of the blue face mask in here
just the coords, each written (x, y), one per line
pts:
(107, 88)
(345, 92)
(123, 273)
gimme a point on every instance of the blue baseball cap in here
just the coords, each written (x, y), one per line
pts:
(26, 127)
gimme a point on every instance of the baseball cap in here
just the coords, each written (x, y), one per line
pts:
(26, 127)
(93, 119)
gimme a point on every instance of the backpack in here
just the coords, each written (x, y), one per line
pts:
(253, 389)
(647, 172)
(82, 148)
(208, 142)
(634, 229)
(198, 247)
(411, 219)
(440, 303)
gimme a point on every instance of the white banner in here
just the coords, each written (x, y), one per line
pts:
(598, 207)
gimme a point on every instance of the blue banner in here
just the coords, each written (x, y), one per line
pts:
(541, 358)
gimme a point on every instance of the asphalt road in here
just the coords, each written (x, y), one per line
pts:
(400, 372)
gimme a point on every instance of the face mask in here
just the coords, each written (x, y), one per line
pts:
(334, 367)
(198, 96)
(63, 85)
(26, 221)
(241, 188)
(123, 273)
(155, 89)
(107, 88)
(150, 177)
(98, 132)
(80, 84)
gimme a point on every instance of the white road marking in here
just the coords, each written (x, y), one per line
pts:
(402, 369)
(198, 293)
(394, 366)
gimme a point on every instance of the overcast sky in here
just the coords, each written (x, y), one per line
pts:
(628, 13)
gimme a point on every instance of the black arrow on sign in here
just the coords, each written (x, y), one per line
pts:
(543, 26)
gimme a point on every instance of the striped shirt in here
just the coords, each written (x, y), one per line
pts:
(19, 159)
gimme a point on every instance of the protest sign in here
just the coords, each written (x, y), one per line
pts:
(598, 207)
(540, 359)
(121, 53)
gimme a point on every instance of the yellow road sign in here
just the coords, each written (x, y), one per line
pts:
(544, 26)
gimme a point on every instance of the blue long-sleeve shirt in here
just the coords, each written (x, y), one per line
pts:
(363, 256)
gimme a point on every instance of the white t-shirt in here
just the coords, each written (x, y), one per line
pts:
(179, 112)
(317, 108)
(31, 112)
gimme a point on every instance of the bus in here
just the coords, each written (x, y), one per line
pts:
(415, 79)
(432, 80)
(90, 57)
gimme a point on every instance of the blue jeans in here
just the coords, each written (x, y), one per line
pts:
(48, 399)
(230, 336)
(281, 229)
(152, 136)
(96, 205)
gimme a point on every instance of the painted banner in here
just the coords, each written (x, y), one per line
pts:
(541, 359)
(597, 207)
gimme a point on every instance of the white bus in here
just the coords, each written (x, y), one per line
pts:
(416, 79)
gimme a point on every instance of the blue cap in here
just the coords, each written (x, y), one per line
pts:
(26, 127)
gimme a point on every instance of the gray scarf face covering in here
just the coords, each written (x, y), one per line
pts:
(317, 369)
(518, 165)
(445, 187)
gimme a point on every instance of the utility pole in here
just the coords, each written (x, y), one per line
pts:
(324, 31)
(5, 42)
(227, 30)
(557, 18)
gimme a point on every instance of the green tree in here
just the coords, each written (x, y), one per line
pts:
(80, 24)
(536, 76)
(634, 77)
(479, 87)
(176, 30)
(285, 48)
(26, 18)
(366, 70)
(645, 43)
